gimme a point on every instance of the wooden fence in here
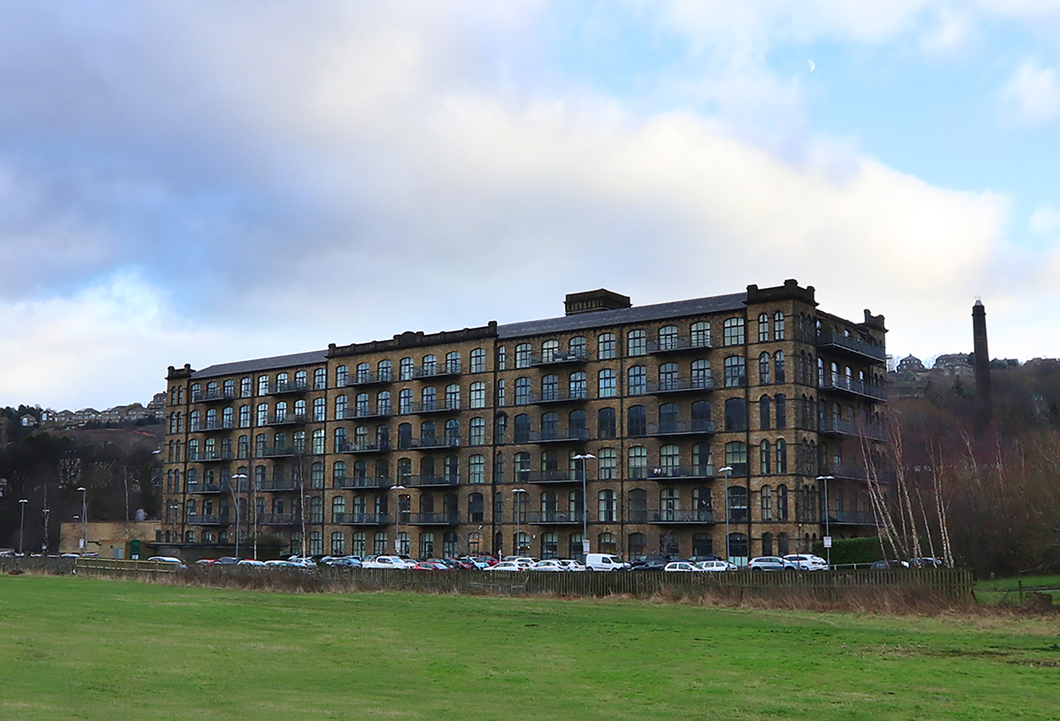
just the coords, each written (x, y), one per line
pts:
(946, 583)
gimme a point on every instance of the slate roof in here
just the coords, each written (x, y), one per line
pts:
(262, 364)
(636, 314)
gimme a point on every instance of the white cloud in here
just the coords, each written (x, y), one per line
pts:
(1044, 220)
(1031, 96)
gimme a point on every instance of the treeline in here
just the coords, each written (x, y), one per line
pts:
(987, 494)
(119, 470)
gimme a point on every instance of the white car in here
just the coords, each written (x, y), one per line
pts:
(387, 562)
(771, 563)
(549, 565)
(509, 566)
(679, 567)
(571, 564)
(711, 566)
(251, 562)
(807, 562)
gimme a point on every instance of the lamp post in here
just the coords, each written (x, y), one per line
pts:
(397, 519)
(22, 523)
(44, 543)
(827, 533)
(238, 478)
(584, 458)
(518, 527)
(84, 518)
(727, 470)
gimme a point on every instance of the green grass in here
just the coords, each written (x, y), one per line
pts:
(87, 649)
(996, 591)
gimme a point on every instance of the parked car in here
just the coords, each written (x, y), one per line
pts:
(393, 562)
(711, 566)
(572, 565)
(771, 563)
(508, 566)
(927, 563)
(890, 563)
(549, 565)
(227, 561)
(679, 567)
(807, 562)
(652, 563)
(251, 562)
(168, 559)
(431, 566)
(605, 562)
(344, 562)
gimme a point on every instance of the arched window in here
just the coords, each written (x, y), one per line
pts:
(764, 457)
(637, 421)
(637, 546)
(668, 339)
(636, 381)
(736, 457)
(733, 331)
(476, 469)
(638, 462)
(781, 411)
(763, 328)
(576, 348)
(549, 350)
(701, 334)
(767, 503)
(476, 508)
(763, 369)
(778, 325)
(605, 346)
(778, 366)
(735, 372)
(701, 378)
(782, 503)
(637, 505)
(668, 377)
(478, 361)
(636, 343)
(767, 544)
(764, 404)
(607, 507)
(668, 418)
(338, 509)
(606, 383)
(735, 414)
(607, 464)
(782, 456)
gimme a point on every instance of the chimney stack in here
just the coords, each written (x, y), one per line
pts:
(982, 365)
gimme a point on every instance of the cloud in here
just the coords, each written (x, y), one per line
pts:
(218, 182)
(1031, 95)
(1044, 220)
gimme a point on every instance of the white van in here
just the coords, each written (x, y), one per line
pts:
(604, 562)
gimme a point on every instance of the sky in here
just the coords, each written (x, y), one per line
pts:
(202, 182)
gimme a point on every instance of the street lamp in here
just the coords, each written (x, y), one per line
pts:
(584, 458)
(238, 478)
(44, 543)
(518, 527)
(84, 518)
(827, 534)
(727, 470)
(22, 523)
(397, 519)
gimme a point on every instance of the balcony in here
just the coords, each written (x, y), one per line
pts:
(213, 519)
(545, 477)
(574, 395)
(285, 419)
(439, 406)
(214, 456)
(434, 519)
(363, 447)
(209, 396)
(365, 412)
(363, 482)
(207, 488)
(667, 517)
(368, 379)
(280, 519)
(678, 344)
(852, 347)
(837, 427)
(361, 519)
(854, 472)
(278, 485)
(280, 389)
(852, 518)
(681, 428)
(278, 451)
(209, 426)
(557, 435)
(691, 473)
(431, 442)
(437, 370)
(679, 385)
(554, 518)
(555, 358)
(430, 481)
(832, 382)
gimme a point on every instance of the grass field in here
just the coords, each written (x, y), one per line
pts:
(92, 649)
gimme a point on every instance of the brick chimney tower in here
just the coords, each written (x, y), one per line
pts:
(982, 365)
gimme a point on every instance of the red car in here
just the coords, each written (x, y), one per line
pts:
(430, 566)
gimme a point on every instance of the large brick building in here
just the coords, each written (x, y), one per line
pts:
(484, 439)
